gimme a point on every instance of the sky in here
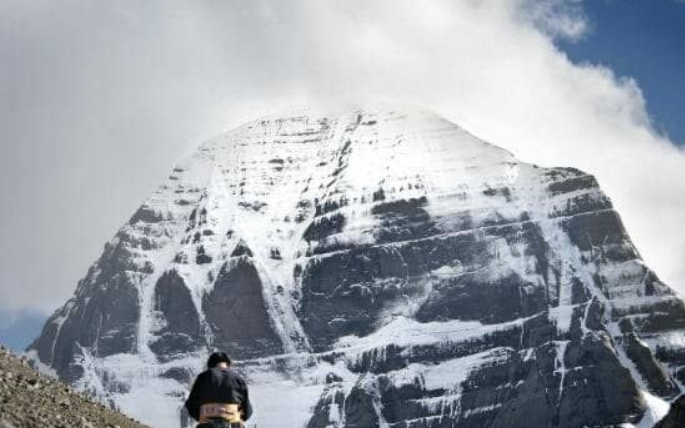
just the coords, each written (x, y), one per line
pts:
(646, 41)
(99, 100)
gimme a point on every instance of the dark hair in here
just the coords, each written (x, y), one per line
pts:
(216, 358)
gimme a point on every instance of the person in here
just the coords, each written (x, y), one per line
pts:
(219, 397)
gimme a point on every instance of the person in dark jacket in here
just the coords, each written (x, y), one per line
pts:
(219, 396)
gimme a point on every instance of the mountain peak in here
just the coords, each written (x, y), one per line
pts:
(390, 268)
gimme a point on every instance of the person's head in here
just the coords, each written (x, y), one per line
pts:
(218, 359)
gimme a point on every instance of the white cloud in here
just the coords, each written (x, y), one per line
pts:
(557, 18)
(152, 76)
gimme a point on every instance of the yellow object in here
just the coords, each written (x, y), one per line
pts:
(230, 412)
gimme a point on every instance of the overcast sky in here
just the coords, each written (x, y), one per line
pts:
(100, 98)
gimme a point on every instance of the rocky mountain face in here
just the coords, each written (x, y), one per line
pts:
(376, 269)
(29, 399)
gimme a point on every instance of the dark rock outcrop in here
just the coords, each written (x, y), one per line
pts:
(181, 331)
(675, 417)
(236, 312)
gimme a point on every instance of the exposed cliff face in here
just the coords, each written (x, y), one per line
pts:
(375, 269)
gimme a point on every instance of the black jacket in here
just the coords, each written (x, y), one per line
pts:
(218, 385)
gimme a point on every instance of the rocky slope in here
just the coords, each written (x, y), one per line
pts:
(29, 399)
(377, 269)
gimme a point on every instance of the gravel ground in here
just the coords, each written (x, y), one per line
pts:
(29, 399)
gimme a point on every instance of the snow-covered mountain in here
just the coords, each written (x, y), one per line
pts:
(376, 269)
